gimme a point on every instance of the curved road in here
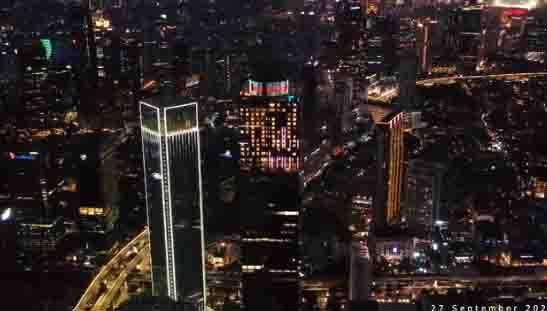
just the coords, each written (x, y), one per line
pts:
(101, 291)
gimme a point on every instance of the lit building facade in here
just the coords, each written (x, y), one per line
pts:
(174, 200)
(39, 235)
(32, 81)
(270, 162)
(26, 177)
(424, 42)
(108, 48)
(535, 38)
(395, 248)
(26, 189)
(269, 127)
(391, 158)
(538, 183)
(360, 276)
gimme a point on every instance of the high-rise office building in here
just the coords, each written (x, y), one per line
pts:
(424, 45)
(407, 57)
(423, 195)
(350, 22)
(174, 199)
(391, 157)
(268, 117)
(382, 44)
(343, 99)
(270, 249)
(82, 43)
(27, 188)
(270, 160)
(535, 38)
(96, 182)
(468, 29)
(108, 46)
(27, 174)
(360, 272)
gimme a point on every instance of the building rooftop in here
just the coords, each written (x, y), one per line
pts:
(391, 115)
(167, 97)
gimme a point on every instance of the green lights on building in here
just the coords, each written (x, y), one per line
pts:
(47, 46)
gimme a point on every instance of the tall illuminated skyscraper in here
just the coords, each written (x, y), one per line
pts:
(391, 158)
(423, 195)
(270, 159)
(174, 199)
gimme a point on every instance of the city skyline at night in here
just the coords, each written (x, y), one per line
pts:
(302, 155)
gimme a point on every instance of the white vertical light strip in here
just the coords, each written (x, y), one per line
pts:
(169, 226)
(169, 276)
(202, 229)
(146, 192)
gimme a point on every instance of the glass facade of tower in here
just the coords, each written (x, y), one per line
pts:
(171, 156)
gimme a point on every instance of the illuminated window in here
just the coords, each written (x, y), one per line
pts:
(91, 211)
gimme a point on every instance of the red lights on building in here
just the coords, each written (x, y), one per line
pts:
(254, 88)
(514, 12)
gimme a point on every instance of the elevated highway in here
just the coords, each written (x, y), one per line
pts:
(107, 286)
